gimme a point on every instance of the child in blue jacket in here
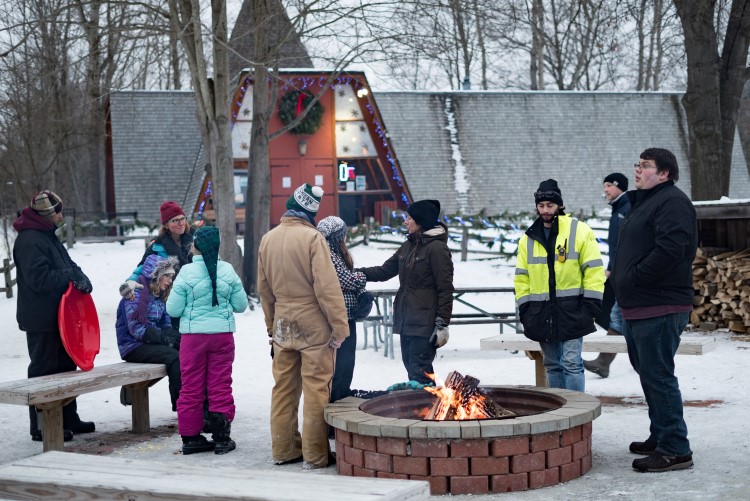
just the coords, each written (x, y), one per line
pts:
(205, 296)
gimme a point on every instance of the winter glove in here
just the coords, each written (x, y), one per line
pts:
(408, 385)
(152, 336)
(82, 282)
(171, 337)
(127, 289)
(335, 343)
(440, 335)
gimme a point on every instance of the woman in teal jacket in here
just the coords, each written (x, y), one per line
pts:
(205, 296)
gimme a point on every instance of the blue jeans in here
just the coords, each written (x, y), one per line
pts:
(615, 318)
(564, 364)
(652, 344)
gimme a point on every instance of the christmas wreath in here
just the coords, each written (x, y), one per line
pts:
(292, 104)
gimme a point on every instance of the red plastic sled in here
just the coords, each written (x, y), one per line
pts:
(79, 327)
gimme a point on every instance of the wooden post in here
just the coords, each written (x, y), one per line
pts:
(141, 420)
(541, 373)
(7, 266)
(69, 237)
(51, 425)
(464, 242)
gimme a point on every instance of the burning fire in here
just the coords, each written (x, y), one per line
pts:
(459, 399)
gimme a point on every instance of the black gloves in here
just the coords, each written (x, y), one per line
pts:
(592, 306)
(81, 282)
(168, 336)
(152, 336)
(171, 337)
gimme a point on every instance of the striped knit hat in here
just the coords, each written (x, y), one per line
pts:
(46, 203)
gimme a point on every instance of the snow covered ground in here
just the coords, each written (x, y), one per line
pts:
(718, 432)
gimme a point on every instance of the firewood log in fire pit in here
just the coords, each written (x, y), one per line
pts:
(461, 398)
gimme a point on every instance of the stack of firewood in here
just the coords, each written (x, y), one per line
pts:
(721, 280)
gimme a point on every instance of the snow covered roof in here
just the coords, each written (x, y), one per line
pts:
(156, 151)
(475, 150)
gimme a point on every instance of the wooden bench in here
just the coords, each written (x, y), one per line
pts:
(591, 343)
(50, 393)
(60, 475)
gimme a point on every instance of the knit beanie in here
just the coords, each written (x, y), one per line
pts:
(548, 191)
(46, 203)
(306, 199)
(618, 180)
(169, 210)
(207, 241)
(425, 213)
(333, 228)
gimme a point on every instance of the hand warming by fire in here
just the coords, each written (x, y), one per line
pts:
(460, 398)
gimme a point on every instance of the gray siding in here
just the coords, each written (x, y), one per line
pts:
(156, 151)
(510, 141)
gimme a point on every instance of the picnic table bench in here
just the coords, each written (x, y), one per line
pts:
(60, 475)
(592, 343)
(51, 393)
(384, 317)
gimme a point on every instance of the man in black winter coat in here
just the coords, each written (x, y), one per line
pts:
(43, 271)
(653, 283)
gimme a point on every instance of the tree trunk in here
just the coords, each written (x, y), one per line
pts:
(536, 69)
(258, 210)
(713, 92)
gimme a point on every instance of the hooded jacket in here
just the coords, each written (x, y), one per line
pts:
(43, 271)
(298, 287)
(559, 283)
(129, 330)
(425, 272)
(657, 245)
(191, 298)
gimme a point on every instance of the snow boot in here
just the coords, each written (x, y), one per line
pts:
(600, 365)
(220, 430)
(195, 444)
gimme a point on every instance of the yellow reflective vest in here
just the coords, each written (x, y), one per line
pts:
(574, 264)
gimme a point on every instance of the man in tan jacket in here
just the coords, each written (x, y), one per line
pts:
(306, 320)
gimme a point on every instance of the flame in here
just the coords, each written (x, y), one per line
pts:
(453, 402)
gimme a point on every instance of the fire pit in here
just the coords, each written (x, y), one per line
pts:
(548, 441)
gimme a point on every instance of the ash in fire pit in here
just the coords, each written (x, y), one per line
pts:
(461, 398)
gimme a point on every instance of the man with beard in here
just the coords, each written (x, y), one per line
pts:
(559, 285)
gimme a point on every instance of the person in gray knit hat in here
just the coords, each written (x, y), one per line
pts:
(205, 296)
(352, 286)
(44, 270)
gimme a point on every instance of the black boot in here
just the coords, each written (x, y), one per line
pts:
(220, 430)
(600, 365)
(195, 444)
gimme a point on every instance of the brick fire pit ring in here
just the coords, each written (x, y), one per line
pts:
(547, 443)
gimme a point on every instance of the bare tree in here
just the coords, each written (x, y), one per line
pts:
(714, 88)
(212, 103)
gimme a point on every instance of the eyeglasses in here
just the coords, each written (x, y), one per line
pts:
(178, 220)
(641, 166)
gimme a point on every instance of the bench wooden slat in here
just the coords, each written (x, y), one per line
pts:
(55, 387)
(595, 344)
(61, 475)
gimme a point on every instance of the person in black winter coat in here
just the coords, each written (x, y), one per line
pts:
(424, 301)
(653, 281)
(43, 272)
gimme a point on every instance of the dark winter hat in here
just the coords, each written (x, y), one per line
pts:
(548, 191)
(333, 228)
(618, 180)
(46, 203)
(306, 198)
(207, 241)
(169, 210)
(425, 213)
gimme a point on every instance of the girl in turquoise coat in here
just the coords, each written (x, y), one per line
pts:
(205, 296)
